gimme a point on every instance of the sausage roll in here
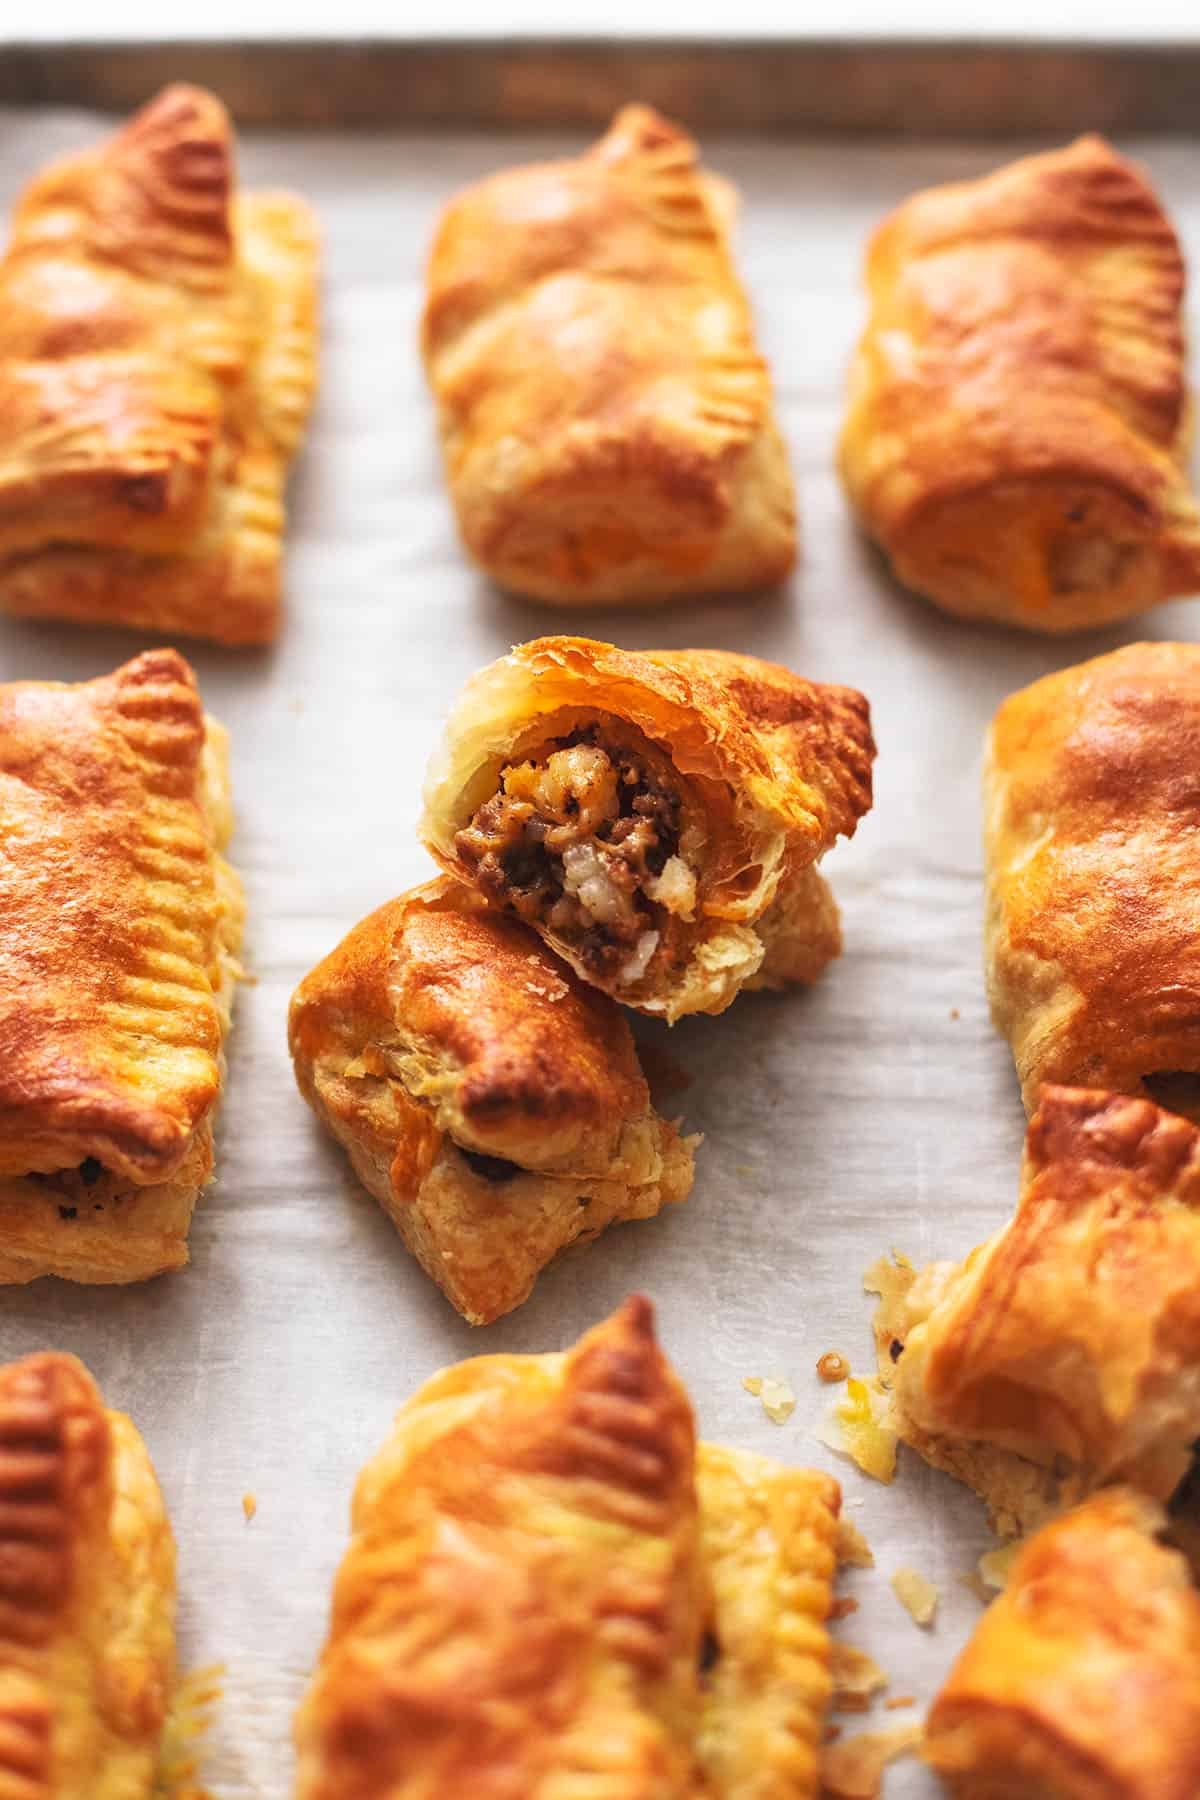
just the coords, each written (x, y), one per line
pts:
(157, 352)
(657, 817)
(119, 924)
(87, 1596)
(1082, 1681)
(551, 1590)
(1071, 1338)
(1017, 425)
(492, 1103)
(1093, 875)
(606, 418)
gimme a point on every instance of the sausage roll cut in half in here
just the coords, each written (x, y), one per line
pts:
(552, 1591)
(657, 817)
(87, 1599)
(1067, 1348)
(1082, 1681)
(606, 418)
(1092, 817)
(1017, 425)
(119, 924)
(492, 1103)
(157, 354)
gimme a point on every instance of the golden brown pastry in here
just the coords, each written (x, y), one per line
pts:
(492, 1103)
(87, 1595)
(551, 1593)
(1072, 1337)
(1016, 433)
(1093, 875)
(657, 817)
(1082, 1681)
(606, 417)
(157, 363)
(119, 924)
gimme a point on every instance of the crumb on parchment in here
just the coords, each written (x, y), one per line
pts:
(852, 1548)
(779, 1402)
(860, 1429)
(249, 1506)
(833, 1366)
(852, 1768)
(857, 1678)
(899, 1700)
(916, 1595)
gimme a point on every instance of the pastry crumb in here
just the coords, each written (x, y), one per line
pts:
(841, 1609)
(994, 1565)
(918, 1597)
(857, 1678)
(899, 1700)
(853, 1768)
(779, 1402)
(954, 1013)
(249, 1506)
(752, 1384)
(859, 1430)
(833, 1366)
(852, 1547)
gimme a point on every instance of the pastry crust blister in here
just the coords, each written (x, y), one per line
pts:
(1093, 879)
(157, 364)
(491, 1102)
(1017, 426)
(119, 964)
(767, 770)
(1082, 1681)
(537, 1556)
(1064, 1351)
(606, 417)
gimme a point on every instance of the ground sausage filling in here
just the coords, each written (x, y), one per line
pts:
(585, 840)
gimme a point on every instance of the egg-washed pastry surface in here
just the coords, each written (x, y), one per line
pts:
(1092, 822)
(1082, 1681)
(1066, 1350)
(492, 1103)
(87, 1597)
(551, 1591)
(606, 418)
(1017, 425)
(119, 924)
(656, 816)
(157, 363)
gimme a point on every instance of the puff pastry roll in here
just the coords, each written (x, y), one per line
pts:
(119, 923)
(87, 1597)
(550, 1593)
(1093, 875)
(606, 418)
(492, 1103)
(157, 363)
(657, 817)
(1016, 433)
(1072, 1337)
(1082, 1681)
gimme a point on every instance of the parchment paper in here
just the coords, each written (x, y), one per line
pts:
(877, 1110)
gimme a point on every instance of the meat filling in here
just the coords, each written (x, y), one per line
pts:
(585, 840)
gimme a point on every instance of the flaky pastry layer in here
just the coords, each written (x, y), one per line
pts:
(551, 1592)
(606, 417)
(1016, 432)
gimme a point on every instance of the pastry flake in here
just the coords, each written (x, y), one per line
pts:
(1066, 1348)
(121, 922)
(606, 417)
(1082, 1680)
(656, 816)
(87, 1594)
(1017, 424)
(550, 1591)
(157, 364)
(1093, 875)
(492, 1103)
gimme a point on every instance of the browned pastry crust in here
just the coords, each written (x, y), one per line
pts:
(87, 1593)
(541, 1563)
(1093, 897)
(1071, 1338)
(1017, 423)
(157, 363)
(120, 921)
(492, 1103)
(696, 791)
(1082, 1681)
(606, 418)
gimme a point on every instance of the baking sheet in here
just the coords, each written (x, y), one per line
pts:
(877, 1110)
